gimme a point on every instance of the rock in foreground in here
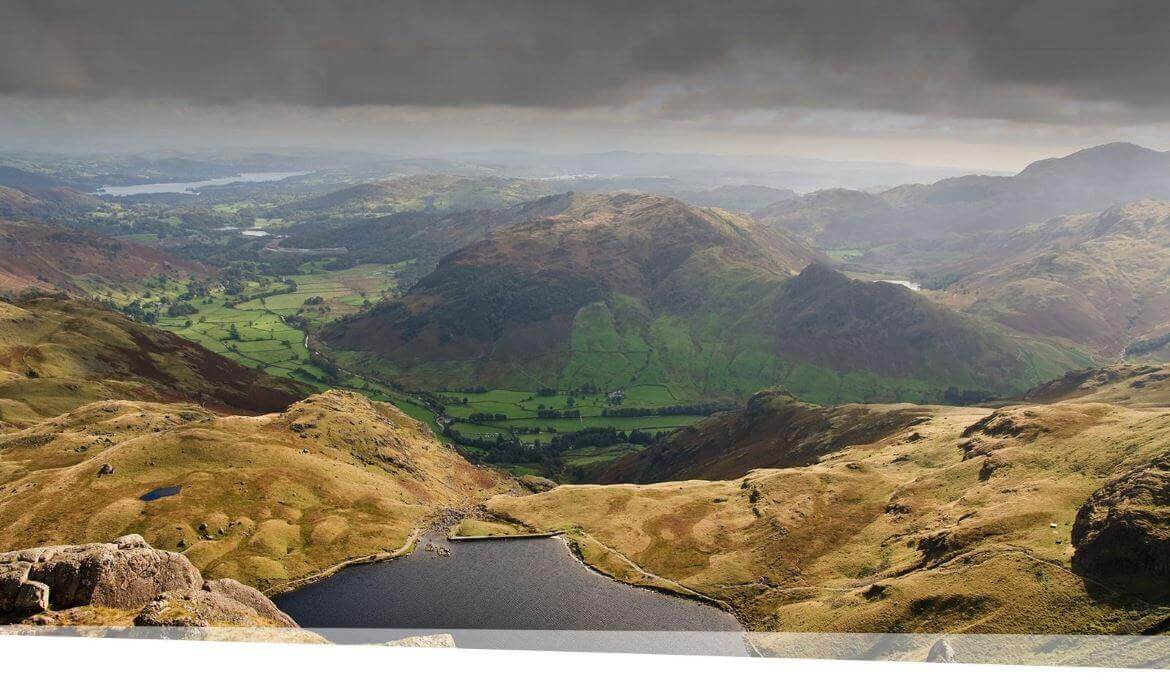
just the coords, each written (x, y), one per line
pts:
(1124, 527)
(124, 582)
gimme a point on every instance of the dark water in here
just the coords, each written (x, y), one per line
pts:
(516, 594)
(155, 494)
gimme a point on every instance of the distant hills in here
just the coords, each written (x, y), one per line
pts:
(1089, 180)
(1099, 280)
(427, 192)
(417, 237)
(642, 289)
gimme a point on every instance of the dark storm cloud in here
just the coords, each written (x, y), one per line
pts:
(1031, 60)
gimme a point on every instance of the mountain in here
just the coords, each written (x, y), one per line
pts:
(774, 430)
(630, 289)
(586, 296)
(1086, 181)
(46, 256)
(1097, 280)
(1046, 518)
(266, 500)
(825, 319)
(57, 354)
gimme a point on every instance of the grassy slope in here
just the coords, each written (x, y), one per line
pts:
(946, 531)
(266, 341)
(773, 430)
(36, 255)
(1098, 280)
(58, 354)
(264, 499)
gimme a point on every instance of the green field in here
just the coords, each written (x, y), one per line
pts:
(258, 327)
(263, 338)
(522, 410)
(342, 292)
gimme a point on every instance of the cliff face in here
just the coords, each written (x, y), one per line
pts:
(126, 582)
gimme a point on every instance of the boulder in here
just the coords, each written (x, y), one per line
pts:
(941, 652)
(55, 584)
(439, 641)
(537, 484)
(1123, 529)
(205, 608)
(116, 575)
(105, 469)
(250, 597)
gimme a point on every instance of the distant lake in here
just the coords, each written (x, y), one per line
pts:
(193, 186)
(912, 285)
(518, 594)
(243, 231)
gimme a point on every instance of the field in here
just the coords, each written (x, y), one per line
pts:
(341, 292)
(262, 327)
(517, 413)
(255, 332)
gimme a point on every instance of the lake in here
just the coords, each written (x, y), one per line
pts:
(912, 285)
(193, 186)
(508, 594)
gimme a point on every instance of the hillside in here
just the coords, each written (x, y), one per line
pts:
(1034, 518)
(58, 354)
(584, 296)
(1137, 386)
(827, 320)
(35, 255)
(265, 500)
(831, 218)
(417, 237)
(1098, 280)
(421, 193)
(774, 430)
(1090, 180)
(640, 289)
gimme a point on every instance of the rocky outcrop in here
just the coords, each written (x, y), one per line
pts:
(129, 575)
(439, 641)
(1124, 527)
(941, 652)
(537, 484)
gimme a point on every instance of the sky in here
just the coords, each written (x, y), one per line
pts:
(975, 84)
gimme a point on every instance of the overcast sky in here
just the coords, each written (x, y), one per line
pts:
(979, 84)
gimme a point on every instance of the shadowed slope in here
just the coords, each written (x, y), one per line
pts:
(774, 430)
(57, 354)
